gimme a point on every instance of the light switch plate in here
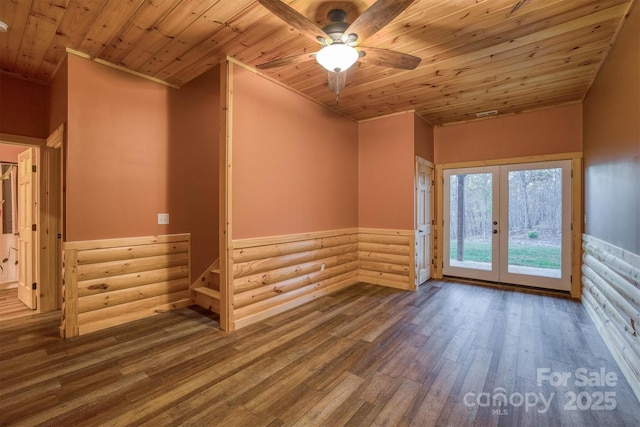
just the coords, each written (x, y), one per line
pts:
(163, 218)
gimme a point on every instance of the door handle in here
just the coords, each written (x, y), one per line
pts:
(495, 231)
(495, 222)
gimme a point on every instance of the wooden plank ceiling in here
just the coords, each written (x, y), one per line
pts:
(477, 55)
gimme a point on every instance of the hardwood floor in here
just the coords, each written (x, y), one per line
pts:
(11, 307)
(367, 355)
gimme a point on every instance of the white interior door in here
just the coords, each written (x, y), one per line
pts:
(423, 222)
(509, 224)
(26, 232)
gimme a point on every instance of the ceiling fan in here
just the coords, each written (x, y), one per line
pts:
(339, 39)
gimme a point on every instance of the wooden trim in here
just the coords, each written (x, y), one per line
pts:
(274, 240)
(576, 227)
(386, 231)
(386, 116)
(225, 196)
(120, 68)
(8, 138)
(438, 254)
(423, 119)
(424, 162)
(511, 160)
(125, 241)
(70, 306)
(56, 138)
(50, 218)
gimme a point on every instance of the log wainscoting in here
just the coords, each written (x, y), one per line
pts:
(114, 281)
(611, 296)
(387, 257)
(274, 274)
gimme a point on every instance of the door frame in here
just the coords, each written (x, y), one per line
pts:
(576, 208)
(49, 220)
(423, 162)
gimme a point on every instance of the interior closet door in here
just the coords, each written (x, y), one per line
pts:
(27, 195)
(423, 222)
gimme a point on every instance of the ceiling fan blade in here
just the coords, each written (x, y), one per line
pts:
(296, 20)
(290, 60)
(389, 58)
(374, 18)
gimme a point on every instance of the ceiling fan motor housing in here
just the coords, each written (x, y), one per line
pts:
(337, 25)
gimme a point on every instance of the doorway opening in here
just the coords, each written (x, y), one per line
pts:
(509, 224)
(19, 221)
(31, 223)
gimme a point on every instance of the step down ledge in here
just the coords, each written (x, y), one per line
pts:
(209, 292)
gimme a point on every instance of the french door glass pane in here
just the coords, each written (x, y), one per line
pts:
(535, 222)
(470, 228)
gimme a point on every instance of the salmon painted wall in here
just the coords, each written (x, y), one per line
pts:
(551, 131)
(386, 164)
(9, 152)
(423, 135)
(294, 162)
(194, 113)
(612, 144)
(133, 153)
(57, 97)
(23, 107)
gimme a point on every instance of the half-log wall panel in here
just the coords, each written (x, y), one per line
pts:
(114, 281)
(271, 275)
(387, 257)
(611, 295)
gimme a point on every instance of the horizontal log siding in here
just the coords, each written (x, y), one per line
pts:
(274, 274)
(611, 295)
(387, 257)
(114, 281)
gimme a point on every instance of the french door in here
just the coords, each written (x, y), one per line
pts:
(509, 224)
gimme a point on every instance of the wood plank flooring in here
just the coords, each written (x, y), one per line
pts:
(367, 355)
(11, 307)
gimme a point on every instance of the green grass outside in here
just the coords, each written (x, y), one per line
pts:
(519, 254)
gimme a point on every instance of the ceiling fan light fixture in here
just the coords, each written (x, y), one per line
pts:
(337, 57)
